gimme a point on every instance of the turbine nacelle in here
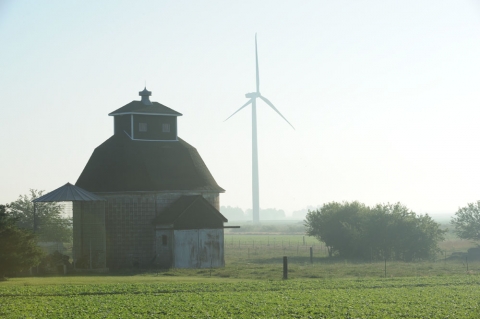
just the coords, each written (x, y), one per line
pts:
(252, 95)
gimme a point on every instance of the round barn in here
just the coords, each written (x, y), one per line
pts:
(162, 203)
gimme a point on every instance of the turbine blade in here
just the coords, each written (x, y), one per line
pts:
(256, 63)
(275, 109)
(249, 101)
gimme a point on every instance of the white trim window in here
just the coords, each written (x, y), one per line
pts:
(142, 127)
(166, 128)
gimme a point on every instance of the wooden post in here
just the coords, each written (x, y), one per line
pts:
(385, 267)
(90, 254)
(303, 240)
(311, 255)
(285, 267)
(466, 261)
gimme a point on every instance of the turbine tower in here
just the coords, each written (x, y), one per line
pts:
(253, 100)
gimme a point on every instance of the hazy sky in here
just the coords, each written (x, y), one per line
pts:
(384, 95)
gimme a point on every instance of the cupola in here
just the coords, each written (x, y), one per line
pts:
(145, 120)
(145, 96)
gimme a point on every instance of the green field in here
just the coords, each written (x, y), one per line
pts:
(250, 286)
(157, 296)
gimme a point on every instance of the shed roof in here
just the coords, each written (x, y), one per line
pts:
(191, 212)
(138, 107)
(123, 165)
(68, 193)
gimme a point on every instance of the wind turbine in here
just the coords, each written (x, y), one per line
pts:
(253, 100)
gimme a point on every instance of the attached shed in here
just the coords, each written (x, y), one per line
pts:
(189, 234)
(89, 245)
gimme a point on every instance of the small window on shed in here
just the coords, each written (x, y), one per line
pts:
(164, 240)
(165, 128)
(142, 127)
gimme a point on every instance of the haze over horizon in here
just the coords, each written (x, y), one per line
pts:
(383, 95)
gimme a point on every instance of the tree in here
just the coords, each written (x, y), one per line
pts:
(398, 233)
(467, 222)
(385, 231)
(51, 225)
(233, 213)
(337, 225)
(18, 247)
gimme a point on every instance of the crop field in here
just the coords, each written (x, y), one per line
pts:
(250, 286)
(157, 296)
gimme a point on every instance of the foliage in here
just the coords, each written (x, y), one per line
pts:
(236, 213)
(50, 224)
(52, 261)
(18, 247)
(385, 231)
(233, 213)
(426, 297)
(467, 222)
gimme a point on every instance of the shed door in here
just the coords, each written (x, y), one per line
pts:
(210, 243)
(186, 248)
(163, 245)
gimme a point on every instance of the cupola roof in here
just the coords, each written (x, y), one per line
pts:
(145, 107)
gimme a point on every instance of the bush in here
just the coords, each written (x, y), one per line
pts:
(385, 231)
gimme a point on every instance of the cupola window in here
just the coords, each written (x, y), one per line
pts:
(142, 127)
(166, 128)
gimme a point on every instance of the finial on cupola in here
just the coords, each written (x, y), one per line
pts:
(145, 96)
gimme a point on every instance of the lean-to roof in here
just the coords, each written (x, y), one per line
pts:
(68, 193)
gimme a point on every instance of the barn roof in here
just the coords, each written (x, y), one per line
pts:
(122, 165)
(138, 107)
(191, 212)
(68, 193)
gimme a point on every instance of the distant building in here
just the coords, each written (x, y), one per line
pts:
(162, 203)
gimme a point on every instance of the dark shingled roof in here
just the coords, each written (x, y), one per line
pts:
(191, 212)
(140, 108)
(122, 165)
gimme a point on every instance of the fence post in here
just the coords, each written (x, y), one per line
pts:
(311, 255)
(90, 254)
(385, 267)
(285, 267)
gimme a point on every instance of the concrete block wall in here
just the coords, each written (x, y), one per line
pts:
(130, 233)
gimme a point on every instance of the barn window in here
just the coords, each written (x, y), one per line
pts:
(164, 240)
(165, 128)
(142, 127)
